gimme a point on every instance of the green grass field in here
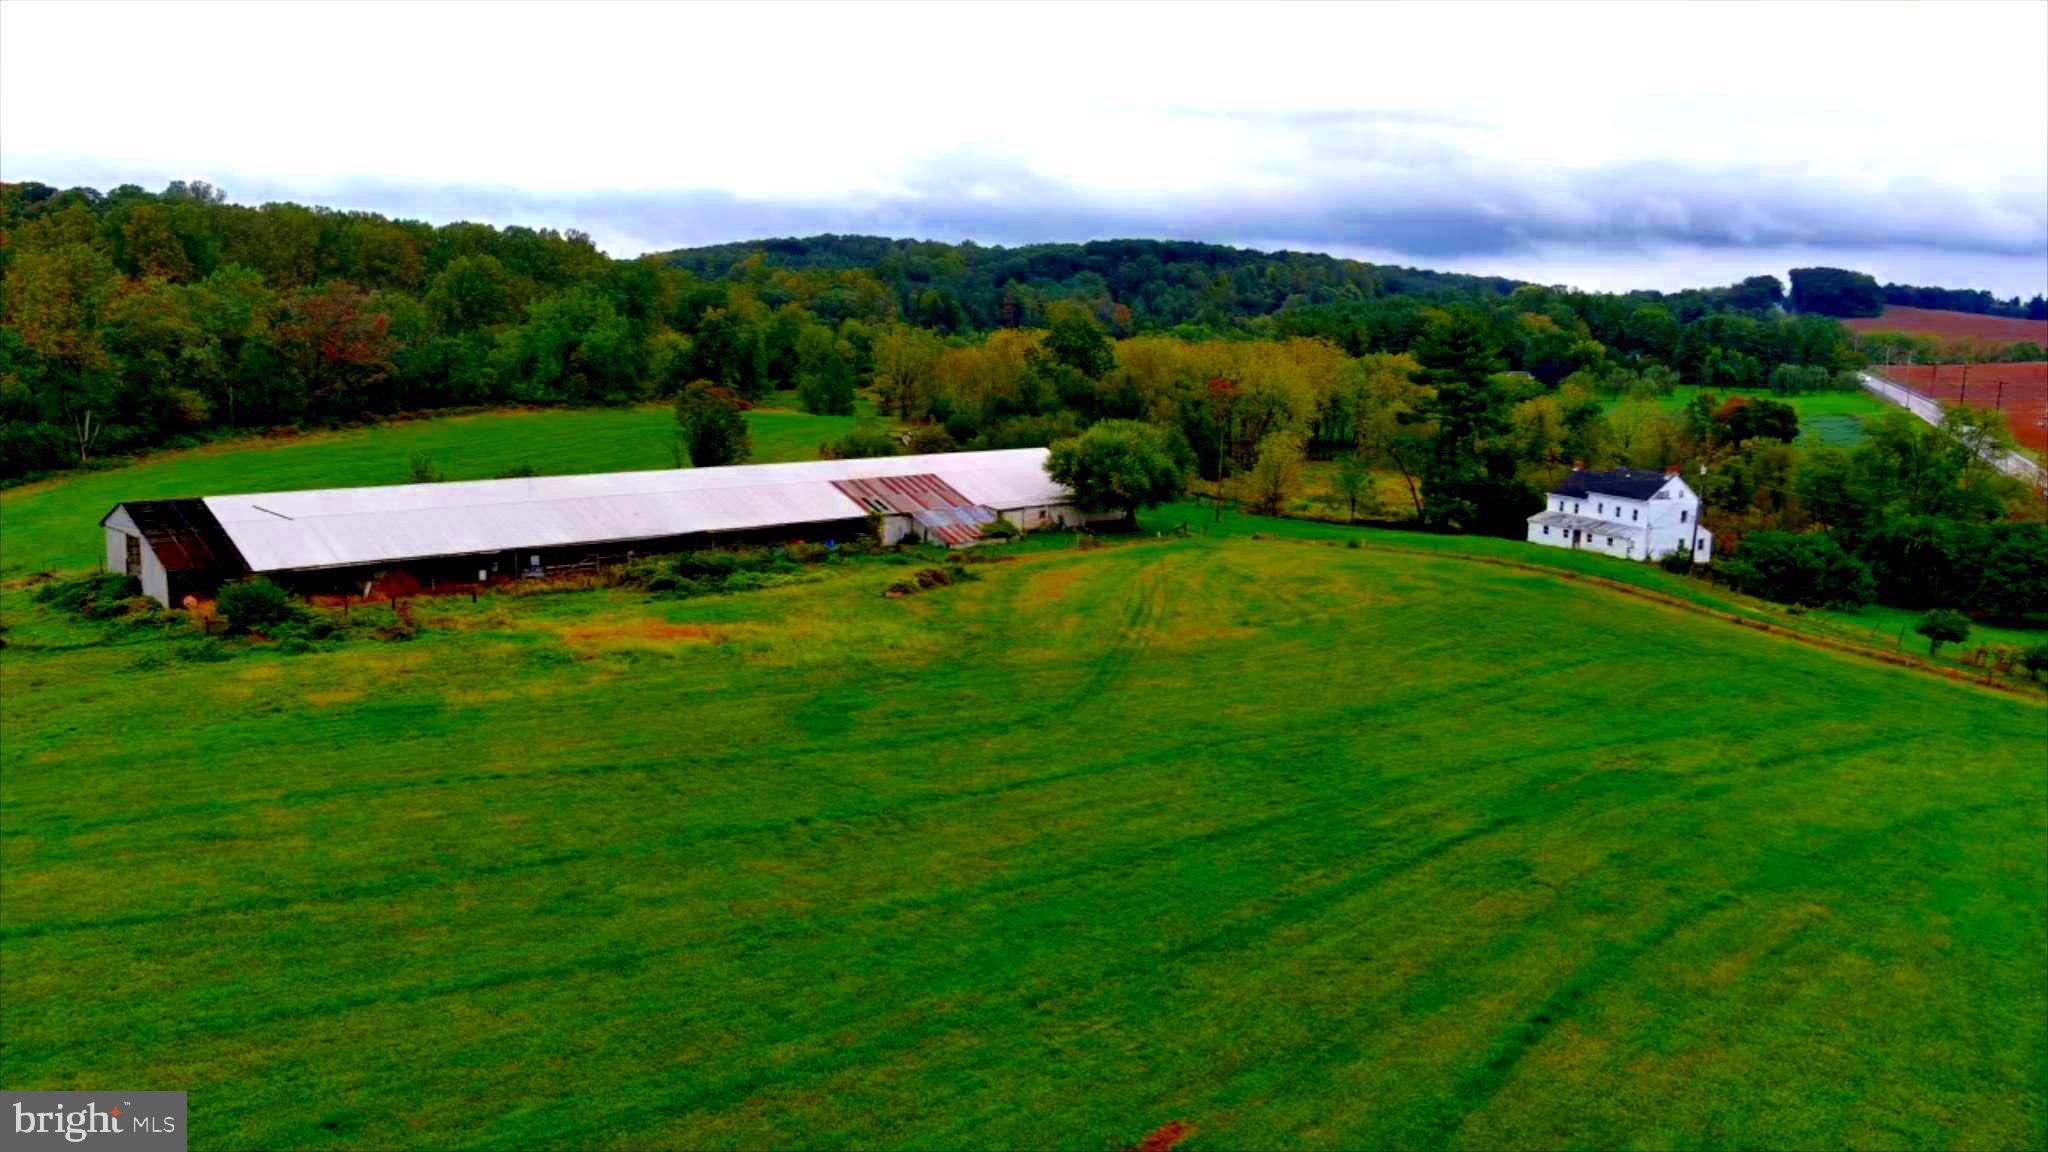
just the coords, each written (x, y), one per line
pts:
(41, 521)
(1826, 419)
(1296, 844)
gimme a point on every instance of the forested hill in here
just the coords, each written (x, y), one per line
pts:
(1161, 283)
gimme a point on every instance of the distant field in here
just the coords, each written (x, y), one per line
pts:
(51, 524)
(1831, 419)
(2018, 390)
(1954, 325)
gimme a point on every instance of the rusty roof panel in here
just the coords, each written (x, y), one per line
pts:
(185, 536)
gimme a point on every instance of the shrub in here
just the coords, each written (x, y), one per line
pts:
(2035, 659)
(1678, 560)
(254, 604)
(421, 467)
(805, 552)
(927, 438)
(863, 441)
(716, 564)
(1001, 528)
(98, 595)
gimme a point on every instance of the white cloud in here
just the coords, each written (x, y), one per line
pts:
(1601, 128)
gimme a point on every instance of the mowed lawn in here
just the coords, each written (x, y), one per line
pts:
(50, 525)
(1826, 419)
(1294, 844)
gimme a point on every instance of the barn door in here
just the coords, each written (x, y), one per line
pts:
(134, 555)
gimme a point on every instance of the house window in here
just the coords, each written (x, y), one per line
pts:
(1681, 515)
(1635, 513)
(1600, 509)
(1546, 529)
(1575, 507)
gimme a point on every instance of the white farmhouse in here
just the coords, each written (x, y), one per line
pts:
(1626, 512)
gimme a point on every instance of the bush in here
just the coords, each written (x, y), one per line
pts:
(255, 605)
(2035, 659)
(96, 596)
(744, 582)
(1001, 528)
(716, 564)
(865, 440)
(1795, 568)
(926, 439)
(1678, 560)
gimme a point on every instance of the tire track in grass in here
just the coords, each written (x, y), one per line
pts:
(1611, 959)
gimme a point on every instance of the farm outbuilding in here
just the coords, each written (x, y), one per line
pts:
(336, 538)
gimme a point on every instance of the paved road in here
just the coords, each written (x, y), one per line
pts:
(2011, 463)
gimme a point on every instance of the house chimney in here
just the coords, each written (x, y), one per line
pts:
(1578, 465)
(1671, 469)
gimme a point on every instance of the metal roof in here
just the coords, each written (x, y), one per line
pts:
(1626, 483)
(1589, 524)
(342, 527)
(945, 514)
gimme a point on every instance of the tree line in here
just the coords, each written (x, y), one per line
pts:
(134, 319)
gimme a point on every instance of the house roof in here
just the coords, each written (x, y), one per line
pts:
(1627, 483)
(1592, 525)
(345, 527)
(183, 534)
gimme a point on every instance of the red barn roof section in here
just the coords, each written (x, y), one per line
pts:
(938, 506)
(185, 536)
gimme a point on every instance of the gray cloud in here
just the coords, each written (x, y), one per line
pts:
(1373, 183)
(1424, 205)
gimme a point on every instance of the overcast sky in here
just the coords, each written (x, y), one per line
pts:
(1608, 146)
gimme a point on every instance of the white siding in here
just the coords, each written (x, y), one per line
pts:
(1661, 524)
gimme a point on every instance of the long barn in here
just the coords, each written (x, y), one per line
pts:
(334, 538)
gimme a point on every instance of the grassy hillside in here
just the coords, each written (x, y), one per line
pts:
(1294, 844)
(51, 525)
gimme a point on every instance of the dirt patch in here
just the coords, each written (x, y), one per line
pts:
(1049, 585)
(333, 697)
(1953, 325)
(1164, 1138)
(2019, 390)
(638, 634)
